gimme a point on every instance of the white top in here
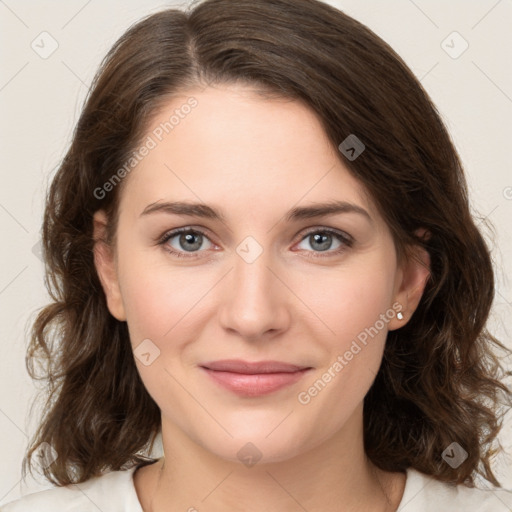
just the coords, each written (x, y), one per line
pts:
(115, 492)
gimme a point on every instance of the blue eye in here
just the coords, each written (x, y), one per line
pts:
(322, 239)
(190, 241)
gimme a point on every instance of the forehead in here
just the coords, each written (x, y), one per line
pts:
(236, 148)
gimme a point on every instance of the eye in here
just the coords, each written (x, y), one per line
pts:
(321, 240)
(187, 240)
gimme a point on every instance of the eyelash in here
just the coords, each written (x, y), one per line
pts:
(345, 239)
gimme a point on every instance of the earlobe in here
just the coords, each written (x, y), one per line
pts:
(106, 268)
(414, 275)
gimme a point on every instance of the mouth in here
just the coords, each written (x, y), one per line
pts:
(253, 379)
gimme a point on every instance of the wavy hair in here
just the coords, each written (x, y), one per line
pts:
(440, 380)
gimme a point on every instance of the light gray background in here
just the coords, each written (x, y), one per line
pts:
(40, 100)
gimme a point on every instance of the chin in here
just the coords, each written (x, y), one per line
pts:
(250, 446)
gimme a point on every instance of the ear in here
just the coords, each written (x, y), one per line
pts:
(104, 260)
(412, 277)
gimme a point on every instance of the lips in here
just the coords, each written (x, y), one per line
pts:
(252, 379)
(251, 368)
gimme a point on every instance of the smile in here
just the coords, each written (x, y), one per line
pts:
(253, 379)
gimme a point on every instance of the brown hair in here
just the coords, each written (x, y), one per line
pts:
(439, 381)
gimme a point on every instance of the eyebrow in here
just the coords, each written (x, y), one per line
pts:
(295, 214)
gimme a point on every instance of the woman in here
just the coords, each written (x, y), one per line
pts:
(356, 374)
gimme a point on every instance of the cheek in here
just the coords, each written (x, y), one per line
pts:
(353, 306)
(350, 300)
(160, 300)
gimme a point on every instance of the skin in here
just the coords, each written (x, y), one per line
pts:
(255, 159)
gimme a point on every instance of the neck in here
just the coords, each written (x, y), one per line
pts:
(334, 476)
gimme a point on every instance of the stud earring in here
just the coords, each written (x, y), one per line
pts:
(400, 316)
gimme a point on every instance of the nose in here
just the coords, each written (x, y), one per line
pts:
(255, 304)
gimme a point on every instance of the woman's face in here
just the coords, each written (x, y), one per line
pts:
(259, 280)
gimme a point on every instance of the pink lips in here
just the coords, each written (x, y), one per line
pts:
(253, 379)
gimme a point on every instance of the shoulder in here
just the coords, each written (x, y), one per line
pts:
(114, 491)
(424, 493)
